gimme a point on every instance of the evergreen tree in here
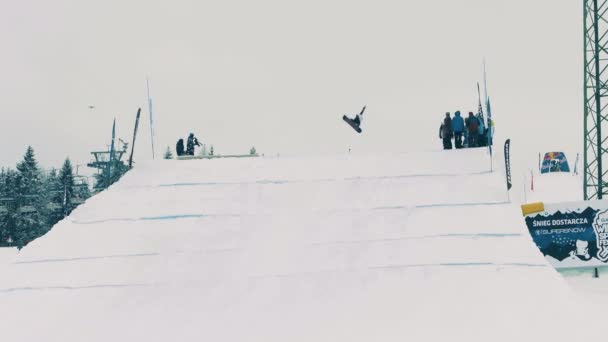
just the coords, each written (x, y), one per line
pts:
(54, 190)
(65, 193)
(50, 182)
(7, 206)
(253, 152)
(211, 150)
(30, 201)
(4, 228)
(66, 182)
(81, 190)
(168, 154)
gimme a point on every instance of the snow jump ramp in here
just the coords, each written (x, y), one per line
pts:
(391, 247)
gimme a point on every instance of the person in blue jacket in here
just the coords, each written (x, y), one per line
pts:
(458, 129)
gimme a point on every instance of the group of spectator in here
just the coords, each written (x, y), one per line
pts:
(192, 141)
(469, 132)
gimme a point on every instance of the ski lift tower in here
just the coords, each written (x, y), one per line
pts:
(595, 92)
(106, 161)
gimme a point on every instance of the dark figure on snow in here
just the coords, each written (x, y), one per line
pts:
(445, 132)
(472, 125)
(458, 129)
(192, 141)
(179, 147)
(359, 118)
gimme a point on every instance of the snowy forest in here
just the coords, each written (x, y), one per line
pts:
(32, 200)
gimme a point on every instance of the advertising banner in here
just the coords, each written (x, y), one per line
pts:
(571, 235)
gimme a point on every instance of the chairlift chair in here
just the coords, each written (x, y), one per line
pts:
(53, 206)
(27, 209)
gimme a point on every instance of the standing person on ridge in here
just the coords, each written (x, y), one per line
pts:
(192, 141)
(472, 126)
(445, 132)
(457, 128)
(179, 147)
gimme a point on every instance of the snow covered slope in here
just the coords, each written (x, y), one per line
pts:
(411, 247)
(555, 187)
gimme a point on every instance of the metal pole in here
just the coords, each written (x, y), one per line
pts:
(585, 109)
(109, 176)
(151, 117)
(134, 136)
(598, 106)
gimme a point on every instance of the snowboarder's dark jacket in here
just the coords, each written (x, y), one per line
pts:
(179, 147)
(447, 128)
(192, 141)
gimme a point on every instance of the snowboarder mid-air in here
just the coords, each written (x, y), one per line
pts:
(356, 122)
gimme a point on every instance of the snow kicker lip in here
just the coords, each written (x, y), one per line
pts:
(84, 287)
(198, 216)
(407, 266)
(439, 205)
(87, 258)
(153, 218)
(319, 180)
(464, 264)
(421, 175)
(425, 237)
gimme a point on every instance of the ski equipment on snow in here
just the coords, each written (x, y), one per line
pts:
(352, 124)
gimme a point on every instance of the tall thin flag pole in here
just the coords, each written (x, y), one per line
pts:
(490, 126)
(485, 83)
(151, 117)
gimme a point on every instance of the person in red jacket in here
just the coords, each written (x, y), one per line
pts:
(472, 126)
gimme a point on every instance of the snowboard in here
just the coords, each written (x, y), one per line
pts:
(352, 124)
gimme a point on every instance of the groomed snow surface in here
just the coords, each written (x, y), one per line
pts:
(388, 247)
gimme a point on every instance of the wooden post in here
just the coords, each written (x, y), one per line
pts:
(134, 136)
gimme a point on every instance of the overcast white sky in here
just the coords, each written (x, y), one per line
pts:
(280, 74)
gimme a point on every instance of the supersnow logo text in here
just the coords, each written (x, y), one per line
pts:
(601, 231)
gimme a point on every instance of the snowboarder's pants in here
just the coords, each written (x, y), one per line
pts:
(481, 140)
(458, 139)
(472, 139)
(447, 143)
